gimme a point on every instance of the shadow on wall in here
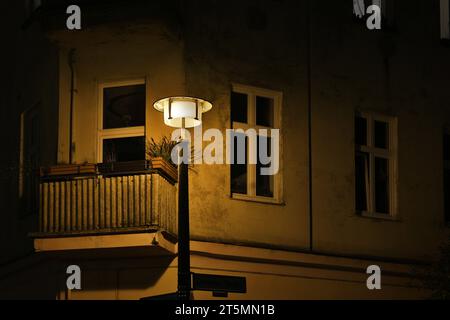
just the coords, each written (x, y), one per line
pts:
(103, 276)
(32, 281)
(132, 279)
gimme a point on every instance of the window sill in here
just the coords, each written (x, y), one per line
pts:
(257, 199)
(379, 216)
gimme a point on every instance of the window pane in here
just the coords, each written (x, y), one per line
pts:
(264, 111)
(239, 170)
(360, 131)
(381, 134)
(123, 149)
(124, 106)
(264, 183)
(381, 185)
(239, 107)
(361, 180)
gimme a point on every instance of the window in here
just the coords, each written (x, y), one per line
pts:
(375, 165)
(29, 161)
(258, 109)
(122, 121)
(445, 19)
(447, 175)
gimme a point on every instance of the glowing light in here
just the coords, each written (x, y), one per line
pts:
(182, 112)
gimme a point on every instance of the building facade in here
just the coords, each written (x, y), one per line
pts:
(363, 175)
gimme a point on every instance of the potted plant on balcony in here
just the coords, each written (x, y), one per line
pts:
(68, 170)
(159, 154)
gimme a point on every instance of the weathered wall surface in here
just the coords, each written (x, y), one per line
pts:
(257, 44)
(119, 53)
(402, 73)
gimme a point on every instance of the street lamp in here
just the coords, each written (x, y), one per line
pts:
(183, 112)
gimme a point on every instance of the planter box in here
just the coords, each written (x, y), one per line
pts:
(68, 170)
(166, 169)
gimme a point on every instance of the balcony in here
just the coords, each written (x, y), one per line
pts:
(105, 206)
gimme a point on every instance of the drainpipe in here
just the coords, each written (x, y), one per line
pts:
(71, 61)
(310, 170)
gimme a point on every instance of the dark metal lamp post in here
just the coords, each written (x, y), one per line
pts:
(183, 112)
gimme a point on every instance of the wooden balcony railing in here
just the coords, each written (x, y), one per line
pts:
(99, 204)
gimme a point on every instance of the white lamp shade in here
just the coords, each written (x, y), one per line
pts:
(177, 109)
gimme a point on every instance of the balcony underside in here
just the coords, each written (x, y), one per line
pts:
(140, 242)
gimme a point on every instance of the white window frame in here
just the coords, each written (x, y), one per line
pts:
(252, 93)
(445, 19)
(128, 132)
(390, 154)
